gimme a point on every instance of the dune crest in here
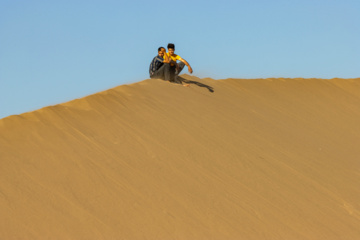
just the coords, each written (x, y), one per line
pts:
(221, 159)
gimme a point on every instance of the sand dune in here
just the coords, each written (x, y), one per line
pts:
(224, 159)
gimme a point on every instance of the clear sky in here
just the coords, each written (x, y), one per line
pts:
(55, 51)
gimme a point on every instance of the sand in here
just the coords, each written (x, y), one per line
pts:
(221, 159)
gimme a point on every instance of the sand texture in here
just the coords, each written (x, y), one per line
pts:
(221, 159)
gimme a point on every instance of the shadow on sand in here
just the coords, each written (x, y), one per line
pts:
(183, 80)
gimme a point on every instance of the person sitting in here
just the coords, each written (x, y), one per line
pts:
(157, 67)
(165, 68)
(175, 68)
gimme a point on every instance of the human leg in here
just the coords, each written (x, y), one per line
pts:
(180, 67)
(165, 72)
(160, 73)
(178, 80)
(169, 72)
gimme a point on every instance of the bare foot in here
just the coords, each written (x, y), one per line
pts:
(186, 85)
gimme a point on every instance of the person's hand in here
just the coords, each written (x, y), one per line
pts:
(190, 69)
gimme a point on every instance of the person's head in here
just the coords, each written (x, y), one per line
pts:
(171, 48)
(161, 51)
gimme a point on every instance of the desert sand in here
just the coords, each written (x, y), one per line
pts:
(221, 159)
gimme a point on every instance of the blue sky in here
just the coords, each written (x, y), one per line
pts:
(55, 51)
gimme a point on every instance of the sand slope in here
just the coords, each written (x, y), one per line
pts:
(254, 159)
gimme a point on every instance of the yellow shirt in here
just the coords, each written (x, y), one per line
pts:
(173, 57)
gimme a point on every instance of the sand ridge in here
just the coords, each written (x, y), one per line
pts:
(221, 159)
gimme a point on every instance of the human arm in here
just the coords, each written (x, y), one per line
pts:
(166, 58)
(187, 64)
